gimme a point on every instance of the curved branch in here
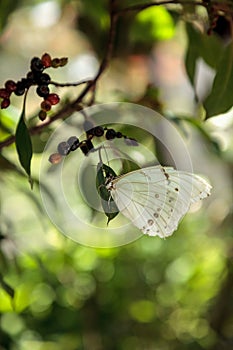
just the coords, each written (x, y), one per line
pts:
(144, 6)
(91, 83)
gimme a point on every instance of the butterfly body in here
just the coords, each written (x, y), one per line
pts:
(156, 198)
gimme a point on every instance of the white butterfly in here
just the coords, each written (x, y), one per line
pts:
(156, 198)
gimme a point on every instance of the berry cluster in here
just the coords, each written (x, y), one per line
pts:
(36, 77)
(110, 134)
(65, 147)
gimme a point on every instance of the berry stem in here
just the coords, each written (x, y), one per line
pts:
(71, 84)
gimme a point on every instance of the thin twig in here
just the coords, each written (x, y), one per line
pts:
(81, 82)
(140, 7)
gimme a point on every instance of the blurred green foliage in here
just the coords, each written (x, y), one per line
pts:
(172, 294)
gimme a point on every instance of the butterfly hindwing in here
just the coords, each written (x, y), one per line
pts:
(156, 198)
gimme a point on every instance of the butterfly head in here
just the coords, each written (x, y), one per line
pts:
(109, 183)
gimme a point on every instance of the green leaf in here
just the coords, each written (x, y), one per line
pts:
(220, 98)
(154, 23)
(6, 8)
(6, 287)
(24, 144)
(108, 204)
(201, 46)
(192, 53)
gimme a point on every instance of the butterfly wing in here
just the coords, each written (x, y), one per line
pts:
(156, 198)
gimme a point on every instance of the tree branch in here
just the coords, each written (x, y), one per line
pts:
(140, 7)
(91, 83)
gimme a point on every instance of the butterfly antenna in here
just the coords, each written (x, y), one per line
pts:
(106, 154)
(100, 156)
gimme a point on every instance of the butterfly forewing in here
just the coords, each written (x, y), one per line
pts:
(155, 199)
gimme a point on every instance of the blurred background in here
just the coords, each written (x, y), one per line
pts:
(151, 294)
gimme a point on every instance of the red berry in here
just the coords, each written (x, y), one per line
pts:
(53, 99)
(46, 60)
(45, 105)
(4, 93)
(55, 158)
(5, 103)
(10, 85)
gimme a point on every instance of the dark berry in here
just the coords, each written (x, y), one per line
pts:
(42, 79)
(55, 63)
(42, 115)
(43, 91)
(63, 61)
(55, 158)
(63, 148)
(31, 77)
(46, 60)
(36, 64)
(4, 93)
(98, 131)
(5, 103)
(45, 105)
(10, 85)
(89, 145)
(26, 83)
(20, 89)
(119, 134)
(86, 146)
(110, 134)
(73, 142)
(53, 99)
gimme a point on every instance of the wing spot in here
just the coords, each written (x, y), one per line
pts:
(158, 209)
(176, 189)
(150, 222)
(171, 210)
(156, 195)
(165, 174)
(156, 215)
